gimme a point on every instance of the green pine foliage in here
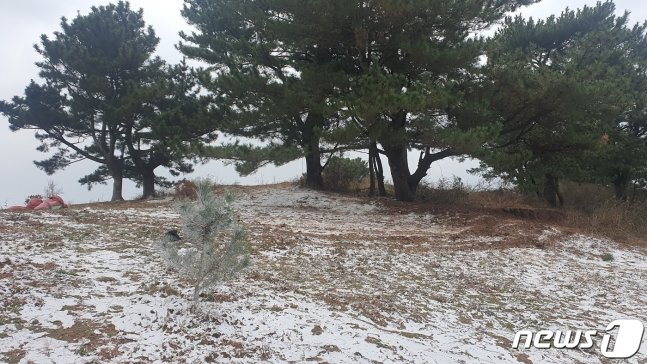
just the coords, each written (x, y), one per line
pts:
(342, 173)
(89, 69)
(561, 88)
(328, 76)
(213, 247)
(540, 101)
(273, 85)
(105, 98)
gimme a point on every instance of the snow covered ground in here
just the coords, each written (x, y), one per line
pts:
(334, 279)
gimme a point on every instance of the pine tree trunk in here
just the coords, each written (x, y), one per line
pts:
(620, 183)
(117, 182)
(371, 172)
(620, 190)
(380, 175)
(404, 190)
(552, 193)
(148, 184)
(377, 171)
(117, 187)
(311, 140)
(395, 149)
(313, 170)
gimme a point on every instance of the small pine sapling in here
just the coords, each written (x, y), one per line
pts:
(213, 247)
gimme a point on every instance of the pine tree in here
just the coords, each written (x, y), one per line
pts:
(213, 246)
(105, 98)
(80, 107)
(558, 87)
(348, 74)
(172, 121)
(273, 85)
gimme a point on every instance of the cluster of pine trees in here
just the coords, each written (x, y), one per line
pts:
(537, 102)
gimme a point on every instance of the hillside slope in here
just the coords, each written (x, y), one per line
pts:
(334, 279)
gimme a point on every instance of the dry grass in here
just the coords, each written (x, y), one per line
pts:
(595, 210)
(14, 356)
(621, 221)
(84, 330)
(443, 192)
(185, 189)
(590, 209)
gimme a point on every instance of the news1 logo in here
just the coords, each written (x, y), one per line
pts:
(626, 342)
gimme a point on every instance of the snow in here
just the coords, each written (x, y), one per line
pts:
(334, 279)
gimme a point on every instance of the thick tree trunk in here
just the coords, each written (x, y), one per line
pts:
(405, 183)
(552, 193)
(404, 190)
(396, 150)
(620, 183)
(313, 170)
(148, 182)
(117, 181)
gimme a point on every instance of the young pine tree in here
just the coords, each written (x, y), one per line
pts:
(214, 245)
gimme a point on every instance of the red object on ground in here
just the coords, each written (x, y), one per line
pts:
(37, 204)
(33, 202)
(56, 201)
(17, 208)
(43, 206)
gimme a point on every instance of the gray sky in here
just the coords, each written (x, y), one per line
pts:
(22, 23)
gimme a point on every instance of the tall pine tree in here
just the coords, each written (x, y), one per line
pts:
(274, 84)
(88, 70)
(105, 98)
(559, 87)
(348, 73)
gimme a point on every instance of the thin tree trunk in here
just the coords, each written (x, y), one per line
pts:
(372, 190)
(115, 165)
(377, 171)
(371, 172)
(380, 176)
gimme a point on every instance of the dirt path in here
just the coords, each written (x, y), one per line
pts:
(334, 279)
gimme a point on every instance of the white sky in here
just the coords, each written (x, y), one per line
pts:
(22, 23)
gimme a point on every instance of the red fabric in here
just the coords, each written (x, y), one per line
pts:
(33, 202)
(17, 208)
(56, 199)
(44, 206)
(39, 205)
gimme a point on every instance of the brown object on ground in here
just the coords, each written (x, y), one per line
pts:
(185, 189)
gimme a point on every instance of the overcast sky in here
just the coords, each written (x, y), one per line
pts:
(22, 23)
